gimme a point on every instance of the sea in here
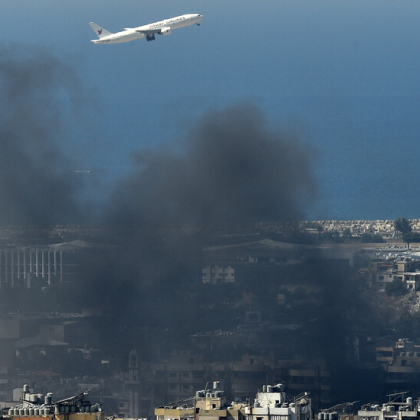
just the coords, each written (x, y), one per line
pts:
(365, 149)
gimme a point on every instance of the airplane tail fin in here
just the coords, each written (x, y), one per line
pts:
(101, 32)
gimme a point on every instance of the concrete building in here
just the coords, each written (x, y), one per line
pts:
(271, 403)
(177, 378)
(21, 266)
(218, 274)
(400, 363)
(403, 268)
(38, 406)
(399, 407)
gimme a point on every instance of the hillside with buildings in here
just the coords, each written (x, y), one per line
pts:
(144, 325)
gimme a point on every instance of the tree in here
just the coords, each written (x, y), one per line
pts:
(411, 237)
(371, 238)
(402, 225)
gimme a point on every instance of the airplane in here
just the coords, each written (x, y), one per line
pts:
(163, 27)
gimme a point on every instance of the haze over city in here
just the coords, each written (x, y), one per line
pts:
(157, 193)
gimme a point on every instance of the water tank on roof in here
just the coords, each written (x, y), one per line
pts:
(26, 388)
(409, 400)
(264, 388)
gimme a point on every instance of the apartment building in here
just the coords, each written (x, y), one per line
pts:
(400, 363)
(404, 268)
(271, 403)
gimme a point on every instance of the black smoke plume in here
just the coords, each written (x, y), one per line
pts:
(231, 169)
(36, 186)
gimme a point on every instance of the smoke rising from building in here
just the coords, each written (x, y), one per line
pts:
(230, 170)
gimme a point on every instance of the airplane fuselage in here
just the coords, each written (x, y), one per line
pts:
(163, 27)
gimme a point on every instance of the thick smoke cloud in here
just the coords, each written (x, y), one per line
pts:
(35, 182)
(231, 169)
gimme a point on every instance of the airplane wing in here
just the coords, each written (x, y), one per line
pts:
(150, 32)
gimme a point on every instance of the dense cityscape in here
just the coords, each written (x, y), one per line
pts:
(311, 305)
(187, 225)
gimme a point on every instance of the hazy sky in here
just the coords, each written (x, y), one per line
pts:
(343, 74)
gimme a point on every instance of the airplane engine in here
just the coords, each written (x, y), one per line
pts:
(165, 31)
